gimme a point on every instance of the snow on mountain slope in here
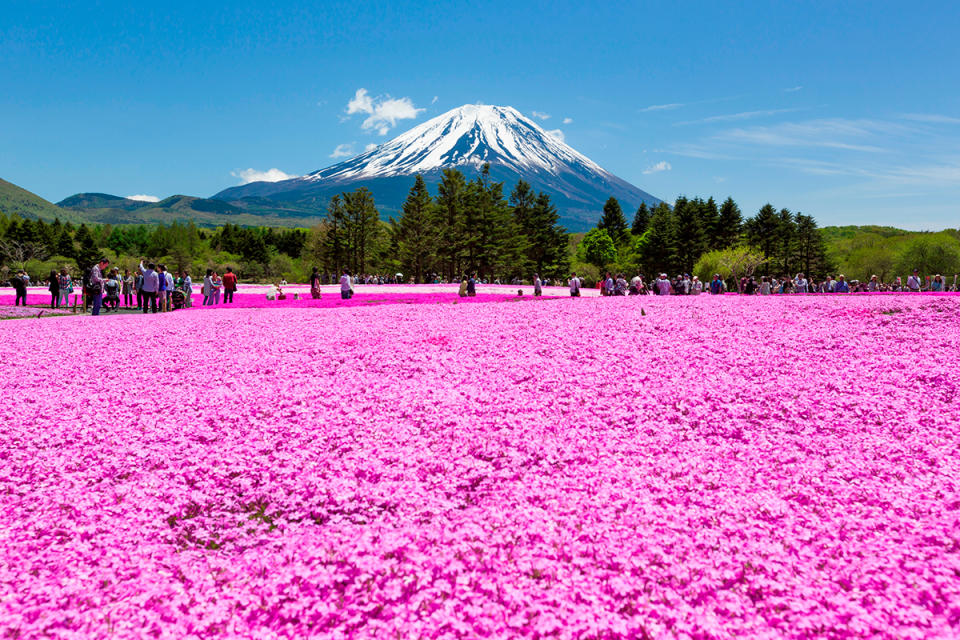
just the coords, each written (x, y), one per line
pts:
(465, 138)
(468, 135)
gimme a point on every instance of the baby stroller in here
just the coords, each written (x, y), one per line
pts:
(111, 297)
(177, 299)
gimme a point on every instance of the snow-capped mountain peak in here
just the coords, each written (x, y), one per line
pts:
(468, 135)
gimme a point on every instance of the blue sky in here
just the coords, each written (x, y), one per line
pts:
(846, 111)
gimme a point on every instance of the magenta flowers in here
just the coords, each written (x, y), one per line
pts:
(718, 467)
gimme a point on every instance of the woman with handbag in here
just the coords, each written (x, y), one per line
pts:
(65, 284)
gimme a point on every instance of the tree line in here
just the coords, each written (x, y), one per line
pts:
(698, 237)
(468, 227)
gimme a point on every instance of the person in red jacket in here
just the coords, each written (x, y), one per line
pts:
(229, 285)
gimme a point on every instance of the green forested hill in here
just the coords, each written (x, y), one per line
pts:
(14, 199)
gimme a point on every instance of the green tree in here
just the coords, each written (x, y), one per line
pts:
(930, 253)
(761, 232)
(689, 239)
(729, 225)
(613, 222)
(641, 219)
(415, 235)
(660, 245)
(87, 250)
(810, 248)
(362, 227)
(450, 215)
(597, 248)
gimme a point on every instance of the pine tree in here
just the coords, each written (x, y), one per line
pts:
(87, 252)
(710, 220)
(761, 232)
(659, 248)
(64, 244)
(415, 236)
(363, 227)
(729, 225)
(450, 211)
(547, 249)
(641, 220)
(786, 242)
(336, 241)
(498, 247)
(811, 253)
(613, 222)
(690, 239)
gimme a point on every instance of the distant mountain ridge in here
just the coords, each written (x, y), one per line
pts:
(465, 138)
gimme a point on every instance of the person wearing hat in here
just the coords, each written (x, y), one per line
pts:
(913, 282)
(841, 285)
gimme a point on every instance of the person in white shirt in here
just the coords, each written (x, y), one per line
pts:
(346, 289)
(697, 286)
(663, 285)
(574, 283)
(187, 290)
(800, 283)
(537, 285)
(913, 282)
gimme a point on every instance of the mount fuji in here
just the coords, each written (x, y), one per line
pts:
(464, 138)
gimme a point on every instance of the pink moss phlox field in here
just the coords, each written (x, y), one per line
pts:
(720, 467)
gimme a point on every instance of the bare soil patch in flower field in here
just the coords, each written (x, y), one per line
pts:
(704, 467)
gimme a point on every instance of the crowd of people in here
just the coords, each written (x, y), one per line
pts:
(150, 288)
(154, 288)
(684, 284)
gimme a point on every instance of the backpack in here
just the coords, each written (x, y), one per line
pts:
(86, 278)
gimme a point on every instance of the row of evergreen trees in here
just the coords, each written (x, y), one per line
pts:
(673, 239)
(467, 227)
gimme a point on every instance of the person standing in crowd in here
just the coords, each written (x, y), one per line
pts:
(168, 290)
(66, 287)
(229, 285)
(716, 285)
(217, 286)
(150, 287)
(697, 286)
(96, 284)
(208, 288)
(841, 285)
(346, 289)
(53, 284)
(19, 284)
(913, 282)
(462, 291)
(127, 288)
(537, 285)
(187, 290)
(472, 286)
(162, 287)
(764, 286)
(937, 284)
(873, 285)
(663, 286)
(315, 284)
(138, 288)
(800, 283)
(574, 283)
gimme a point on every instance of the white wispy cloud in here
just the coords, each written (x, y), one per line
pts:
(343, 151)
(793, 89)
(568, 121)
(541, 115)
(383, 112)
(143, 198)
(931, 117)
(558, 134)
(253, 175)
(435, 98)
(663, 165)
(662, 107)
(371, 146)
(743, 115)
(834, 133)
